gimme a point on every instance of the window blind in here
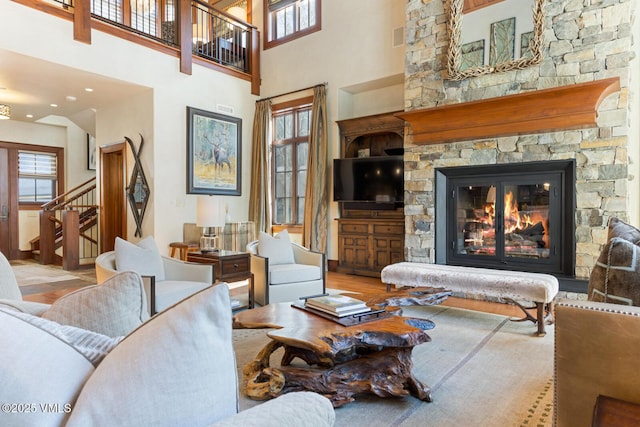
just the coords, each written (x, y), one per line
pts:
(277, 4)
(32, 164)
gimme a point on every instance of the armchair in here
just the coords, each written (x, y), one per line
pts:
(174, 280)
(285, 272)
(597, 348)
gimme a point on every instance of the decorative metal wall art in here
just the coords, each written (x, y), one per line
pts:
(138, 190)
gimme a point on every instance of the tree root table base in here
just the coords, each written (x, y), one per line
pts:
(340, 362)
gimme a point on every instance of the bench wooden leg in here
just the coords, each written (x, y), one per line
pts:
(544, 314)
(540, 319)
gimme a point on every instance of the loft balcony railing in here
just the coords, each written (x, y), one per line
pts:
(218, 37)
(190, 29)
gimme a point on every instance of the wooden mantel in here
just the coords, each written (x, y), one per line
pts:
(548, 110)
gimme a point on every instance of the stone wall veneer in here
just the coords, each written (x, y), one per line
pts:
(585, 40)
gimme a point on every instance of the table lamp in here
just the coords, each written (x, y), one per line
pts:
(208, 216)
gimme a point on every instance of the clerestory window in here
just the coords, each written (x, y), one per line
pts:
(287, 20)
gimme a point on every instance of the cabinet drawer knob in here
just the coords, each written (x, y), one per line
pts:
(235, 266)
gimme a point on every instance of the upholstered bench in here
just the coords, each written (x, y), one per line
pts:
(512, 286)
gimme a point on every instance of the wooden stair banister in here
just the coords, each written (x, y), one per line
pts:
(55, 202)
(64, 221)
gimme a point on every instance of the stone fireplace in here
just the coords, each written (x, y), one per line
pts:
(583, 42)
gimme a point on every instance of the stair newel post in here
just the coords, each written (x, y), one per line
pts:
(47, 237)
(70, 239)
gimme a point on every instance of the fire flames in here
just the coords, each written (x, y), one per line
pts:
(524, 232)
(513, 221)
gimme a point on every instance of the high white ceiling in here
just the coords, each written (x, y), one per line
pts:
(29, 86)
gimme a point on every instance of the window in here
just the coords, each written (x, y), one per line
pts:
(37, 176)
(290, 151)
(287, 20)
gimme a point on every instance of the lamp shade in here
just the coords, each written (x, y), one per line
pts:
(208, 212)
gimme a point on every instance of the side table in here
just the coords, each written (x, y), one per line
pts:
(611, 412)
(229, 266)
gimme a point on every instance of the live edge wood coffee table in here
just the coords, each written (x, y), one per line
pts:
(341, 361)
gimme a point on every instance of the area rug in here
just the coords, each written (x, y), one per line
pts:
(34, 274)
(483, 370)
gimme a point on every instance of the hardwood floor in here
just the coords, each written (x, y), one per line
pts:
(344, 282)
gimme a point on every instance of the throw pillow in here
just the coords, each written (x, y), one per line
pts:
(277, 248)
(616, 275)
(618, 228)
(114, 308)
(143, 258)
(44, 363)
(178, 368)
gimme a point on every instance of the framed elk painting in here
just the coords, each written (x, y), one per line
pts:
(214, 146)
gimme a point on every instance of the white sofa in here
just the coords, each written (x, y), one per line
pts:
(177, 368)
(173, 279)
(10, 291)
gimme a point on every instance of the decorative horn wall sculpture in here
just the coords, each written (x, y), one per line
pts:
(138, 189)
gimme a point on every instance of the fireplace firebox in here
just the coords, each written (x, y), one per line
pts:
(511, 216)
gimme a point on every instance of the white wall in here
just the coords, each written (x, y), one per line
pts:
(354, 55)
(75, 153)
(156, 108)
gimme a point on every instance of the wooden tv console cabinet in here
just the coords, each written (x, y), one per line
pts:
(370, 239)
(366, 246)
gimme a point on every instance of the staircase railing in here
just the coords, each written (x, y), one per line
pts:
(68, 224)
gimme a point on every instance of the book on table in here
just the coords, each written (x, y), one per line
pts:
(340, 305)
(344, 313)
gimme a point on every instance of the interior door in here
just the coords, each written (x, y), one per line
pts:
(113, 183)
(8, 208)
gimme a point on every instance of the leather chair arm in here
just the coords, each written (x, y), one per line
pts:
(260, 270)
(597, 348)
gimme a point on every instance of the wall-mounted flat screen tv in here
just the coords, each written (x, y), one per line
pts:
(369, 179)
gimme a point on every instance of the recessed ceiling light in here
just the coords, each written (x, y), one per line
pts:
(29, 116)
(53, 105)
(70, 98)
(88, 89)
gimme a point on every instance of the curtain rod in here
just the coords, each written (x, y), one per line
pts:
(293, 91)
